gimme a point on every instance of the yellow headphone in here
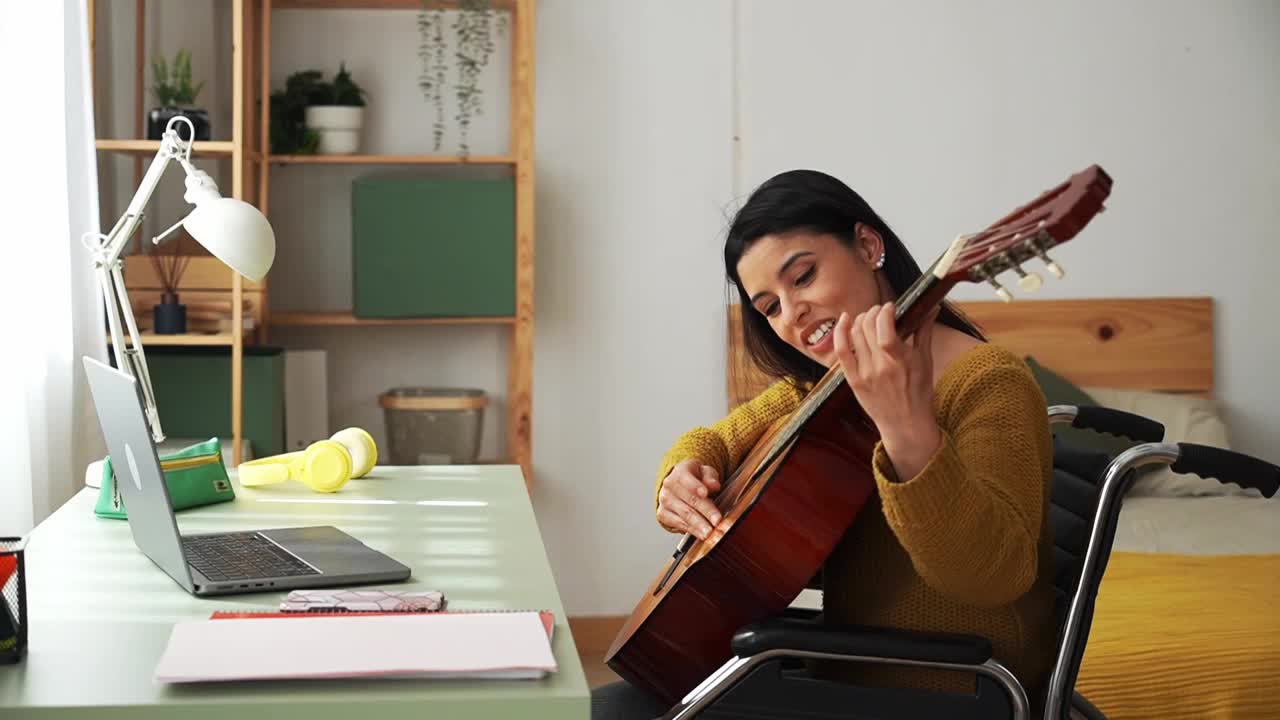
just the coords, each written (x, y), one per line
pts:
(325, 466)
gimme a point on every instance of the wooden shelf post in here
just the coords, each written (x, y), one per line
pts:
(520, 365)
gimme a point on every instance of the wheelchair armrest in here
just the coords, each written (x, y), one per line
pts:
(809, 636)
(1108, 420)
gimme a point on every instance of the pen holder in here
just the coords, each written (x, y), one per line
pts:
(13, 601)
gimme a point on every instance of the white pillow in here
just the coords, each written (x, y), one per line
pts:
(1186, 418)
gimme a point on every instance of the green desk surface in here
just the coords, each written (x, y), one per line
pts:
(101, 612)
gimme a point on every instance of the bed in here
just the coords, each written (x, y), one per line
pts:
(1183, 625)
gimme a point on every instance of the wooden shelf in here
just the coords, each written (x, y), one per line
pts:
(392, 160)
(153, 340)
(150, 147)
(376, 4)
(297, 319)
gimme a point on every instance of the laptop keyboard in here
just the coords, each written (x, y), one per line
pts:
(241, 556)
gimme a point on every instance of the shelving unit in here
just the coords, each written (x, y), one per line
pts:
(248, 152)
(390, 160)
(519, 161)
(189, 339)
(148, 148)
(299, 319)
(235, 150)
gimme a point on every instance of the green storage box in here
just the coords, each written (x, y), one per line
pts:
(432, 246)
(193, 394)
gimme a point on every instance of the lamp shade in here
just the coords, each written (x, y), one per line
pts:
(235, 232)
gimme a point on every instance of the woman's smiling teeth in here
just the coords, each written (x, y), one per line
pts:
(816, 336)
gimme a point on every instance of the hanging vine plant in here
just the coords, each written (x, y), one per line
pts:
(431, 53)
(473, 31)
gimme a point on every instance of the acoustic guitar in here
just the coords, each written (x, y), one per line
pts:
(787, 505)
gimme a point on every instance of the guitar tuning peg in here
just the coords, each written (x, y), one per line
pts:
(1050, 265)
(1003, 294)
(1029, 282)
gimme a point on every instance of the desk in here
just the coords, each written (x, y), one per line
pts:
(101, 612)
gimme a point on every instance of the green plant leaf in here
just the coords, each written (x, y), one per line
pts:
(172, 85)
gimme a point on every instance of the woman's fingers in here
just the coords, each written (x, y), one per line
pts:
(679, 516)
(684, 502)
(843, 346)
(672, 520)
(695, 495)
(710, 479)
(861, 348)
(674, 510)
(886, 330)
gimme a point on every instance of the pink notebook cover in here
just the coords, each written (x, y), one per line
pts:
(272, 646)
(548, 618)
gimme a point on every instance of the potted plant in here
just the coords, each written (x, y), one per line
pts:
(177, 96)
(337, 114)
(169, 316)
(289, 132)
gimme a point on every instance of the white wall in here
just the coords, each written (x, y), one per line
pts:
(944, 117)
(634, 171)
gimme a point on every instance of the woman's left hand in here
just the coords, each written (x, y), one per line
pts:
(893, 381)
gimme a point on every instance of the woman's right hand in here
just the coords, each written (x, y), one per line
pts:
(684, 500)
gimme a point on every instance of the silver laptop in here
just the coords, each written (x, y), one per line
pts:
(220, 563)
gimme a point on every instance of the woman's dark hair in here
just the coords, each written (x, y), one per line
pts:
(815, 202)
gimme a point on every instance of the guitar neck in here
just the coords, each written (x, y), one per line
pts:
(926, 293)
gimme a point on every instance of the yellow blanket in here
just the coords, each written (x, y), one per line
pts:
(1182, 636)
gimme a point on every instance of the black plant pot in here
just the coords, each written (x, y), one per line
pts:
(158, 118)
(170, 317)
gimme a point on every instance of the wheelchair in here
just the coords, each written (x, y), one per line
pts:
(765, 679)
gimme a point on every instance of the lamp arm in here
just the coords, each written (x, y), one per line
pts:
(171, 147)
(137, 357)
(131, 357)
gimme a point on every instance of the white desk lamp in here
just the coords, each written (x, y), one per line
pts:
(232, 230)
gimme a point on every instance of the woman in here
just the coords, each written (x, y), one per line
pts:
(956, 535)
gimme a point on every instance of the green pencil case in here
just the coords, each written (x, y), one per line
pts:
(194, 475)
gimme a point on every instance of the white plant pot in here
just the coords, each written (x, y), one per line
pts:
(339, 127)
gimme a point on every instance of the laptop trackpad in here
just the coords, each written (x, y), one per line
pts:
(332, 551)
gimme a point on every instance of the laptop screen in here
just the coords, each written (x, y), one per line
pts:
(136, 467)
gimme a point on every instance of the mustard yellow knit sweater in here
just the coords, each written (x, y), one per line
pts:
(963, 547)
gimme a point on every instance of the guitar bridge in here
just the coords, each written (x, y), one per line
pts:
(682, 548)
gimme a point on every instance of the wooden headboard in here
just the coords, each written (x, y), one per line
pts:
(1162, 344)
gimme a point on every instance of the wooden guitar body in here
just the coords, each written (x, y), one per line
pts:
(779, 527)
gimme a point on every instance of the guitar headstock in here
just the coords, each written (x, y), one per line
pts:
(1027, 233)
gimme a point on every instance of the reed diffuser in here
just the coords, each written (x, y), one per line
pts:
(170, 316)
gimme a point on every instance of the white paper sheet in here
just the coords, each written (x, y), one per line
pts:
(472, 645)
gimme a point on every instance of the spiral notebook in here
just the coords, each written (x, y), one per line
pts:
(277, 646)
